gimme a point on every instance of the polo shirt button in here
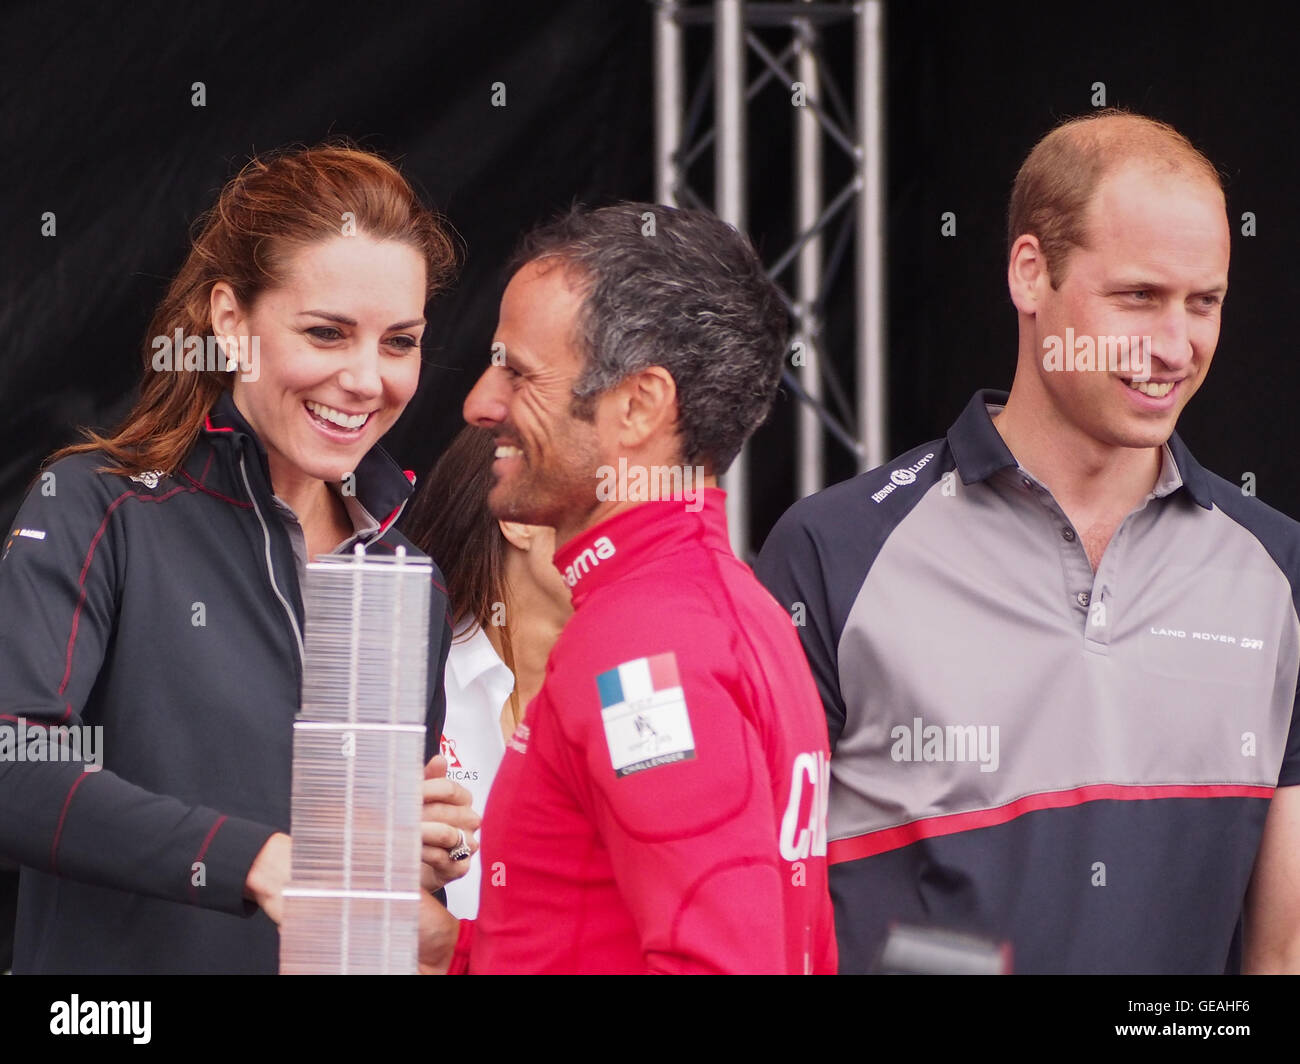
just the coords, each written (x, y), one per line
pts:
(1082, 598)
(1026, 482)
(1067, 534)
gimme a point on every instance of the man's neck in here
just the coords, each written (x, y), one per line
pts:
(626, 481)
(320, 511)
(1088, 478)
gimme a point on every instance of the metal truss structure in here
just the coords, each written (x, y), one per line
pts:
(825, 220)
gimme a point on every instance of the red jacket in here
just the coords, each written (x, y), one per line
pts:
(663, 806)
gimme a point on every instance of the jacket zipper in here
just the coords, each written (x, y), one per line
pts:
(270, 569)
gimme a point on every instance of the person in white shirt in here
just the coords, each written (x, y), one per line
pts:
(509, 604)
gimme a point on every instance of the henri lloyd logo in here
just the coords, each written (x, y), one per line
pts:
(149, 478)
(956, 742)
(601, 550)
(900, 478)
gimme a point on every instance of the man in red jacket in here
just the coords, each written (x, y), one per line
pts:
(662, 807)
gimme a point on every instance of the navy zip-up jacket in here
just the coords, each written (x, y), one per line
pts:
(167, 611)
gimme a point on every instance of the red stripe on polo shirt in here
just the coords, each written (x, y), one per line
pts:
(875, 842)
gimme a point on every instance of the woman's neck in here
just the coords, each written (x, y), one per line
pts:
(533, 622)
(321, 514)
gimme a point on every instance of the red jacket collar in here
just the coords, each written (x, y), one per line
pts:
(600, 554)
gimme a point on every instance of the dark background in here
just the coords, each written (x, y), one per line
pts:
(97, 126)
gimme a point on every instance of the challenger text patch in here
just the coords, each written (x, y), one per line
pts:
(644, 709)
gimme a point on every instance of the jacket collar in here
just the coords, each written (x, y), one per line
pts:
(604, 552)
(382, 487)
(980, 451)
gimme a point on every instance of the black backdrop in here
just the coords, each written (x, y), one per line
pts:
(973, 90)
(98, 127)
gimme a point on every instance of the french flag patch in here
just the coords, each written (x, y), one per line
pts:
(645, 715)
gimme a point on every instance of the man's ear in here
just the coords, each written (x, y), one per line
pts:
(647, 405)
(1027, 273)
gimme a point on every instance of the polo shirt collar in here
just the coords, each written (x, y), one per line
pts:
(976, 445)
(1194, 478)
(980, 451)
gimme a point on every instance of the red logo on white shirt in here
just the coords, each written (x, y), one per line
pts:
(448, 747)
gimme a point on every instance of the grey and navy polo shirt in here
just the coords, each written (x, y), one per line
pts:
(1077, 763)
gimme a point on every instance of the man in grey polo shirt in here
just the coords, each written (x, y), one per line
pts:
(1058, 657)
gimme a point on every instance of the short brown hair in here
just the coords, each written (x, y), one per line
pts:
(1058, 179)
(689, 294)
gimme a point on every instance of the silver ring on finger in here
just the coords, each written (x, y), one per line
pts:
(459, 852)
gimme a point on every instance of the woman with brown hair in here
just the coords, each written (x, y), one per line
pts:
(509, 603)
(150, 603)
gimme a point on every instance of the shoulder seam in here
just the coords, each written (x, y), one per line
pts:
(200, 486)
(85, 569)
